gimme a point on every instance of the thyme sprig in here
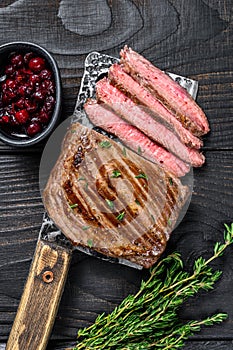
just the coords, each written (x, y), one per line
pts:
(149, 319)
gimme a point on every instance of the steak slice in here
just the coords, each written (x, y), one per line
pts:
(134, 114)
(134, 138)
(170, 93)
(117, 204)
(128, 85)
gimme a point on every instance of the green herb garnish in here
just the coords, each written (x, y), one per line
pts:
(121, 216)
(90, 243)
(81, 178)
(105, 144)
(170, 181)
(124, 152)
(150, 318)
(72, 206)
(137, 202)
(141, 176)
(153, 218)
(116, 173)
(139, 150)
(84, 228)
(110, 203)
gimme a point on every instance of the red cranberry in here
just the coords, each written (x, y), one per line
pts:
(4, 87)
(20, 103)
(37, 64)
(8, 97)
(49, 103)
(22, 90)
(5, 119)
(39, 95)
(29, 91)
(43, 117)
(30, 106)
(34, 78)
(9, 70)
(49, 86)
(28, 56)
(22, 116)
(17, 60)
(45, 74)
(34, 128)
(10, 84)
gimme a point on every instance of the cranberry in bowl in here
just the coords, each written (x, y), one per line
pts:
(30, 93)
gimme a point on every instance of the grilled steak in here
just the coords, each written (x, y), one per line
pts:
(130, 111)
(126, 83)
(134, 138)
(117, 203)
(171, 94)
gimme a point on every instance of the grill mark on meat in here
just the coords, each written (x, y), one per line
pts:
(81, 209)
(160, 83)
(124, 106)
(122, 80)
(134, 138)
(163, 218)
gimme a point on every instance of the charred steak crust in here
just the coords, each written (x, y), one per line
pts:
(106, 197)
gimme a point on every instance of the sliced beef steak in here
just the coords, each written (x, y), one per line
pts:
(134, 138)
(138, 116)
(170, 93)
(117, 203)
(128, 85)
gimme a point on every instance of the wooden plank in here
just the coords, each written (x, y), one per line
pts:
(191, 38)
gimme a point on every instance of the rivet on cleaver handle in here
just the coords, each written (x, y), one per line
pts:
(41, 296)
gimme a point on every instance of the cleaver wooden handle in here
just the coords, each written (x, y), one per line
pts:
(41, 296)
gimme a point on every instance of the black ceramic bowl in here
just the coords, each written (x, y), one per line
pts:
(25, 47)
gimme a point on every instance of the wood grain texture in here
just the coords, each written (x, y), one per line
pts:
(41, 297)
(188, 37)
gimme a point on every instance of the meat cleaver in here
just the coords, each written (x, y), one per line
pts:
(47, 276)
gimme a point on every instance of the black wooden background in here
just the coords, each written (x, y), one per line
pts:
(188, 37)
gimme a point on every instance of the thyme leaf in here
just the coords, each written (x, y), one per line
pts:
(110, 203)
(81, 178)
(149, 319)
(90, 243)
(139, 151)
(124, 152)
(116, 173)
(72, 206)
(141, 176)
(121, 216)
(105, 144)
